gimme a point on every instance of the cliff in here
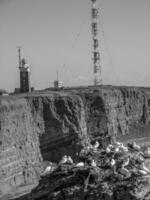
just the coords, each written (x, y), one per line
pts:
(61, 125)
(96, 178)
(47, 125)
(20, 156)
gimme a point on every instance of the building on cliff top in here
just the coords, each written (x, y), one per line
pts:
(3, 92)
(24, 74)
(24, 77)
(57, 83)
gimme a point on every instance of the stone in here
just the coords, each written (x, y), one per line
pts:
(47, 125)
(80, 164)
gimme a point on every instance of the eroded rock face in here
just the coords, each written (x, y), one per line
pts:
(96, 116)
(61, 125)
(20, 157)
(128, 112)
(100, 181)
(48, 125)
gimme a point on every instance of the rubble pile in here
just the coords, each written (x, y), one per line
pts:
(116, 173)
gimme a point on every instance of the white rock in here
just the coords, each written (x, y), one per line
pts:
(123, 148)
(63, 160)
(117, 149)
(126, 162)
(136, 147)
(110, 146)
(48, 169)
(89, 147)
(112, 162)
(147, 152)
(125, 172)
(93, 163)
(143, 167)
(69, 160)
(142, 172)
(96, 145)
(80, 164)
(140, 159)
(118, 144)
(108, 150)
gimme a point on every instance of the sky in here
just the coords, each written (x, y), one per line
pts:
(56, 35)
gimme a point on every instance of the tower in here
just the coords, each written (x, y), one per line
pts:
(96, 54)
(24, 73)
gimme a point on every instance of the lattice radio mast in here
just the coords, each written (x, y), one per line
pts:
(96, 54)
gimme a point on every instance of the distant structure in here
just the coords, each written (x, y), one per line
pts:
(3, 92)
(96, 54)
(58, 84)
(24, 73)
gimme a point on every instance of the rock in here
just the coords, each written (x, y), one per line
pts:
(47, 125)
(147, 152)
(49, 168)
(95, 146)
(140, 159)
(125, 172)
(118, 144)
(80, 164)
(123, 148)
(20, 156)
(113, 162)
(69, 160)
(86, 182)
(93, 163)
(126, 162)
(143, 167)
(136, 147)
(142, 172)
(108, 150)
(64, 160)
(117, 149)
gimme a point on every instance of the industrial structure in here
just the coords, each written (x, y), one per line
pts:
(25, 68)
(58, 84)
(96, 54)
(24, 73)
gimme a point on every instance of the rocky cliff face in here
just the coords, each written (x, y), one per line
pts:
(97, 178)
(61, 125)
(128, 112)
(48, 125)
(116, 112)
(20, 157)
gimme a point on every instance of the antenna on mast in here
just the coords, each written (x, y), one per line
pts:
(57, 75)
(96, 54)
(20, 56)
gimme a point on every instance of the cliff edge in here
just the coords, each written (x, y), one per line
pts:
(47, 125)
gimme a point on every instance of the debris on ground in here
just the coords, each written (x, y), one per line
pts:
(117, 172)
(147, 152)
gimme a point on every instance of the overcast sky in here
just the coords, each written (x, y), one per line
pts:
(56, 35)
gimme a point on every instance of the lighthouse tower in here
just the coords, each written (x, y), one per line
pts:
(24, 73)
